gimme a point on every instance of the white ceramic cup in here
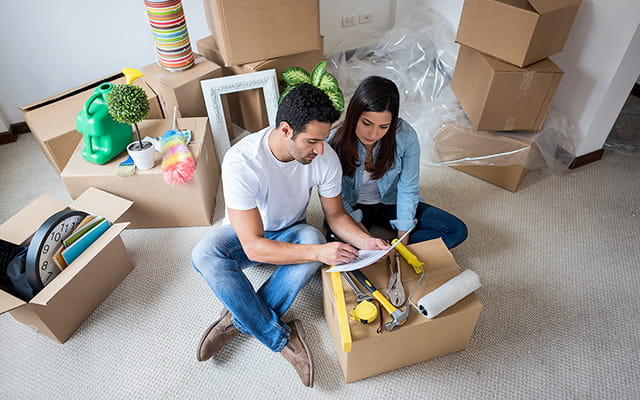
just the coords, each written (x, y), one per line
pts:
(143, 159)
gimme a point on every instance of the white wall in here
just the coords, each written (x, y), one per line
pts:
(337, 37)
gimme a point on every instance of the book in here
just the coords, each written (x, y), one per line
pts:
(81, 230)
(83, 242)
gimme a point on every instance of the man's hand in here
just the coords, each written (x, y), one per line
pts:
(336, 253)
(375, 244)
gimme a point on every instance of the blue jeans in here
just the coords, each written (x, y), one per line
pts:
(220, 259)
(432, 223)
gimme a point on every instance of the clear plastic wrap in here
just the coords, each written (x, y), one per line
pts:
(419, 55)
(625, 135)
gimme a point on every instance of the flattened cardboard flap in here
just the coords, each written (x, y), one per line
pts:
(546, 6)
(21, 226)
(104, 204)
(69, 93)
(9, 302)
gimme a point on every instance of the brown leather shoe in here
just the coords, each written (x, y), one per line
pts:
(298, 353)
(217, 335)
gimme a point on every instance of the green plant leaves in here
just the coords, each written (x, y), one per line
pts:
(285, 92)
(337, 98)
(319, 78)
(328, 83)
(318, 71)
(295, 76)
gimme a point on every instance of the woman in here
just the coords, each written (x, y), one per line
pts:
(380, 157)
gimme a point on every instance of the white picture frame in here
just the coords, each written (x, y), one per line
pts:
(213, 89)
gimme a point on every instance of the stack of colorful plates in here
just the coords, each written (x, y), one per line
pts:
(169, 28)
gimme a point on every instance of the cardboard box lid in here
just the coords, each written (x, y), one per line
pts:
(544, 66)
(78, 166)
(22, 225)
(458, 145)
(201, 67)
(104, 204)
(47, 121)
(19, 228)
(9, 302)
(547, 6)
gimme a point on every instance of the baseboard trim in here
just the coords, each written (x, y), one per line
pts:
(7, 137)
(19, 128)
(586, 159)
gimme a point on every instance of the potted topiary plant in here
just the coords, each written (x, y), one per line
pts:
(129, 104)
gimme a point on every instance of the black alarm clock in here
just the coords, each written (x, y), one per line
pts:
(39, 265)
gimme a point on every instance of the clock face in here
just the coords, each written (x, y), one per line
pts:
(40, 267)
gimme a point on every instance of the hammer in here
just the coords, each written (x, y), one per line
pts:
(398, 317)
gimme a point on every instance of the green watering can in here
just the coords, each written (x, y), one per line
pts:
(104, 137)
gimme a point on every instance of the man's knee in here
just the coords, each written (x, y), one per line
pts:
(307, 234)
(212, 245)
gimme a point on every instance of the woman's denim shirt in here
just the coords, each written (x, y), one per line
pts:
(399, 185)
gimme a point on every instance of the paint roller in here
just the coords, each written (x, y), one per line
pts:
(448, 294)
(445, 295)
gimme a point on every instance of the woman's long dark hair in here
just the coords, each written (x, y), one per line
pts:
(375, 94)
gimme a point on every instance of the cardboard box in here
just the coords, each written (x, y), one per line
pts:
(247, 109)
(247, 31)
(502, 97)
(182, 88)
(156, 204)
(61, 307)
(52, 121)
(417, 340)
(519, 32)
(498, 159)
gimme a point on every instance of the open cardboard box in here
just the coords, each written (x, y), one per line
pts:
(248, 31)
(499, 96)
(52, 121)
(61, 307)
(495, 158)
(519, 32)
(418, 339)
(247, 108)
(156, 204)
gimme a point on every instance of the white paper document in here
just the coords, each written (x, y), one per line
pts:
(365, 258)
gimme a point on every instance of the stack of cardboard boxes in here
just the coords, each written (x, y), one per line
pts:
(249, 36)
(503, 78)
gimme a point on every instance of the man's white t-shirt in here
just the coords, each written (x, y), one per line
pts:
(253, 177)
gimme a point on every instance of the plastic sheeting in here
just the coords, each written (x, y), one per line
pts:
(625, 135)
(419, 55)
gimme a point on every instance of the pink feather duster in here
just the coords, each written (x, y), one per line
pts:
(178, 165)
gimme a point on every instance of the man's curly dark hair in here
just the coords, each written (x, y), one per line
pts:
(303, 104)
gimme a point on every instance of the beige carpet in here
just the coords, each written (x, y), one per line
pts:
(559, 262)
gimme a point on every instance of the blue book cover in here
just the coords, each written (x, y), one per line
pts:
(72, 252)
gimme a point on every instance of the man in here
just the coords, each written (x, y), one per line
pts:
(267, 179)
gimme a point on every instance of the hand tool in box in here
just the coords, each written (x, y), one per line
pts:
(395, 290)
(398, 317)
(365, 311)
